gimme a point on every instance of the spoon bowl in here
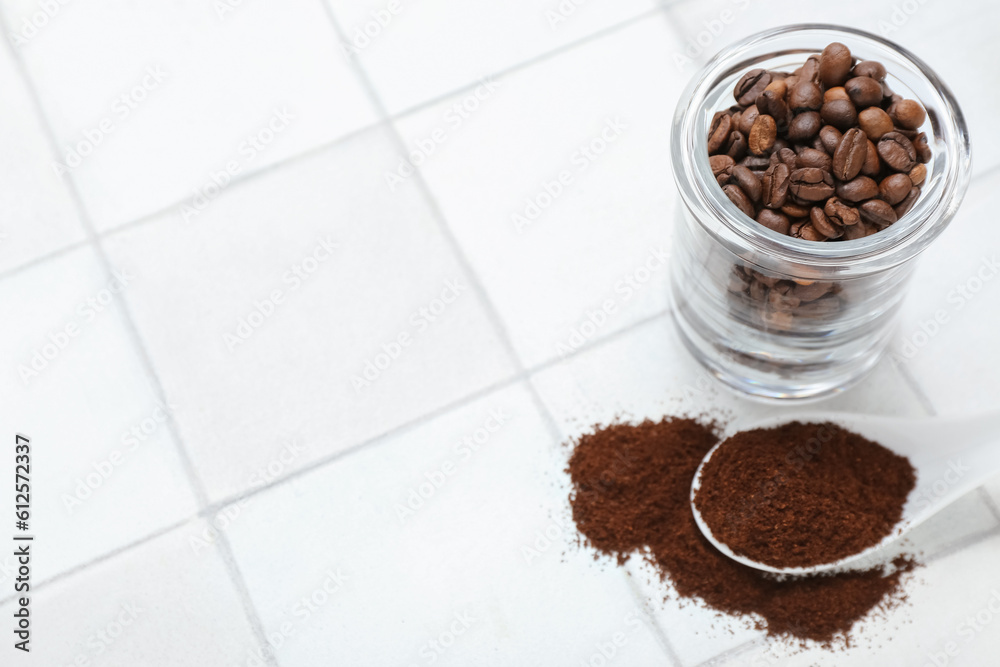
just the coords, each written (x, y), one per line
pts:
(950, 456)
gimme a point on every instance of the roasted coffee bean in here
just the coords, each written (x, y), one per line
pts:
(758, 291)
(811, 291)
(878, 213)
(907, 114)
(737, 145)
(747, 117)
(718, 133)
(810, 69)
(840, 213)
(782, 301)
(809, 233)
(751, 85)
(923, 149)
(839, 113)
(918, 174)
(780, 143)
(810, 157)
(744, 178)
(835, 64)
(773, 220)
(755, 162)
(788, 156)
(864, 91)
(804, 126)
(835, 93)
(805, 96)
(721, 164)
(875, 122)
(850, 155)
(903, 207)
(830, 136)
(772, 104)
(762, 135)
(894, 189)
(823, 225)
(774, 185)
(796, 229)
(858, 231)
(793, 210)
(828, 305)
(738, 197)
(870, 68)
(897, 151)
(858, 189)
(722, 179)
(811, 184)
(872, 165)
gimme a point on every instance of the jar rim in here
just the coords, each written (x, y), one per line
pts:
(940, 197)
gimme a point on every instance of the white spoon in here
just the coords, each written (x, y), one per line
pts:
(951, 457)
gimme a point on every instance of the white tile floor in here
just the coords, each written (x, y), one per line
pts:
(222, 465)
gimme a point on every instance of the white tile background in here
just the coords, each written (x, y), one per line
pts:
(262, 510)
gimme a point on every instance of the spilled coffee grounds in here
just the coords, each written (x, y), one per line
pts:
(802, 494)
(631, 485)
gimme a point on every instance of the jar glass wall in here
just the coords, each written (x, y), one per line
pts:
(782, 317)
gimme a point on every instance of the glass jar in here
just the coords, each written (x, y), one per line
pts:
(782, 317)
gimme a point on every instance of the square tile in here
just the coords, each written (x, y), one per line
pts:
(186, 90)
(304, 312)
(155, 605)
(37, 215)
(471, 40)
(454, 538)
(947, 332)
(105, 471)
(558, 188)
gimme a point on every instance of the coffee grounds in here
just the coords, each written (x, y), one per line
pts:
(631, 485)
(802, 494)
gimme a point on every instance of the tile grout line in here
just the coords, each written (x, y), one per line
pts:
(138, 347)
(990, 503)
(43, 259)
(654, 625)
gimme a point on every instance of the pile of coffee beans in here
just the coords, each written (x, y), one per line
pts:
(827, 152)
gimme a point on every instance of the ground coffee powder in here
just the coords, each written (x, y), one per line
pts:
(631, 485)
(802, 494)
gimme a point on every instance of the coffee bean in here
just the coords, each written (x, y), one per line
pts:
(804, 126)
(858, 189)
(721, 164)
(823, 225)
(835, 93)
(738, 197)
(762, 135)
(850, 154)
(718, 133)
(922, 148)
(788, 156)
(835, 64)
(722, 179)
(755, 162)
(805, 96)
(811, 291)
(853, 232)
(872, 165)
(864, 91)
(810, 69)
(773, 220)
(737, 145)
(783, 302)
(751, 85)
(811, 184)
(903, 207)
(875, 122)
(839, 113)
(774, 185)
(877, 212)
(840, 213)
(772, 104)
(744, 178)
(810, 157)
(893, 189)
(871, 69)
(809, 233)
(747, 117)
(830, 136)
(908, 114)
(793, 210)
(897, 151)
(918, 174)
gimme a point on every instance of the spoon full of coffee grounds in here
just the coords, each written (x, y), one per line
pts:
(829, 491)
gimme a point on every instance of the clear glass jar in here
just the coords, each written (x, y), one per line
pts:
(752, 330)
